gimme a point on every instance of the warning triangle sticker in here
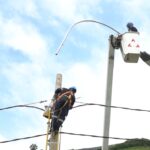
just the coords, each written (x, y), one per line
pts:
(129, 45)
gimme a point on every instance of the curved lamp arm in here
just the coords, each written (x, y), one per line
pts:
(82, 21)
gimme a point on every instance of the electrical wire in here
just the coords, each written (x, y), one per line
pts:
(82, 105)
(37, 102)
(23, 138)
(95, 136)
(68, 133)
(22, 106)
(25, 105)
(118, 107)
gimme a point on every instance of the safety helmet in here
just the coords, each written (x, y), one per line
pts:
(130, 25)
(73, 89)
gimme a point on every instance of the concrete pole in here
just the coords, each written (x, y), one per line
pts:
(54, 143)
(107, 112)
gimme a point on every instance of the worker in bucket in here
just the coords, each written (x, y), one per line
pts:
(64, 101)
(131, 27)
(143, 55)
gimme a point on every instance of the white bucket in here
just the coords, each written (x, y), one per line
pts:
(130, 47)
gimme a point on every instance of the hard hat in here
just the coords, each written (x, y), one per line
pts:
(73, 89)
(130, 25)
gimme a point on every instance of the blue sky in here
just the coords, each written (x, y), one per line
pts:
(31, 32)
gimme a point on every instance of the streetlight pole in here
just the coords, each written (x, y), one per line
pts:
(130, 53)
(107, 113)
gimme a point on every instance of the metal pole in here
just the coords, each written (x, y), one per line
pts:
(54, 143)
(107, 112)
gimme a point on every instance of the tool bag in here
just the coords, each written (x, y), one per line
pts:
(47, 113)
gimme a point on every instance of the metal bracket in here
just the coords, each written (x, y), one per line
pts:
(116, 41)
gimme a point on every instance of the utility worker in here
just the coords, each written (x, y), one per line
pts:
(131, 27)
(64, 101)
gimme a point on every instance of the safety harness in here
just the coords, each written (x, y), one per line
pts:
(68, 95)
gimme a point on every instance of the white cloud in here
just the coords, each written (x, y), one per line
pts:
(71, 10)
(137, 8)
(24, 38)
(22, 7)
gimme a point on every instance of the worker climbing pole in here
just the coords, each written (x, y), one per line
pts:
(62, 101)
(52, 140)
(65, 98)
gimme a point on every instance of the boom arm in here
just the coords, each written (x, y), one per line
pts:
(145, 57)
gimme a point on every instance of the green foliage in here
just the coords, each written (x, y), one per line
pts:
(131, 143)
(137, 148)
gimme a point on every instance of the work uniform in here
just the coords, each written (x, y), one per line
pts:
(62, 105)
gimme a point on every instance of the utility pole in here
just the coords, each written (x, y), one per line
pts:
(130, 55)
(108, 94)
(54, 140)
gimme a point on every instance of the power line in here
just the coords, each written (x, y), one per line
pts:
(23, 138)
(68, 133)
(94, 136)
(25, 105)
(37, 102)
(28, 105)
(22, 106)
(118, 107)
(82, 104)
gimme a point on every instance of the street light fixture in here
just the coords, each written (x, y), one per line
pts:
(129, 45)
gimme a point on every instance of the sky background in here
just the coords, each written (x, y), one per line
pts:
(30, 33)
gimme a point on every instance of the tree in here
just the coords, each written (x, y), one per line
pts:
(33, 147)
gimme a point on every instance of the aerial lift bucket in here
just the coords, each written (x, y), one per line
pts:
(130, 47)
